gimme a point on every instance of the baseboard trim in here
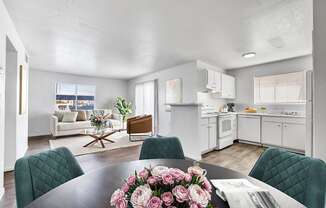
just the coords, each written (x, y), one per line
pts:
(9, 169)
(39, 136)
(2, 191)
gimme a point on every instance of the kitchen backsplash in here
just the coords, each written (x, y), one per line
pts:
(299, 109)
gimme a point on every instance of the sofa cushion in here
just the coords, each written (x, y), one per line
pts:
(81, 116)
(59, 115)
(66, 126)
(69, 116)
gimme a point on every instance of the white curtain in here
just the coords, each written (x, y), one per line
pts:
(146, 100)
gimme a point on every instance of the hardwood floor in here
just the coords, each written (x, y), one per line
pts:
(239, 157)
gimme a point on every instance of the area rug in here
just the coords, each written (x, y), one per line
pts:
(75, 143)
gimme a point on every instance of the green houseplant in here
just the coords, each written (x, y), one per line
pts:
(124, 108)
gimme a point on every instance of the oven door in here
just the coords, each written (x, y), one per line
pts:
(225, 126)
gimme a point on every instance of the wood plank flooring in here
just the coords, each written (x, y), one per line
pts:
(239, 157)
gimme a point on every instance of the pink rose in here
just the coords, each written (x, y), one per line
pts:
(207, 185)
(131, 180)
(140, 197)
(194, 205)
(188, 177)
(125, 188)
(167, 198)
(152, 180)
(159, 170)
(181, 193)
(116, 196)
(143, 174)
(198, 195)
(154, 202)
(178, 174)
(121, 203)
(196, 170)
(167, 179)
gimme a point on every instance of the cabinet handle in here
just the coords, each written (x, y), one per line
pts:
(285, 126)
(279, 125)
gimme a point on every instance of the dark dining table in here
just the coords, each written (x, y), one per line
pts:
(94, 189)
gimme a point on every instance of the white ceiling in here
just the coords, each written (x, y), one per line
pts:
(127, 38)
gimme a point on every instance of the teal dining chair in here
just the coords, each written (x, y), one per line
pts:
(161, 147)
(302, 178)
(37, 174)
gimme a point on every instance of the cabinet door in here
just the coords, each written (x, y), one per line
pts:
(212, 136)
(204, 137)
(249, 128)
(271, 133)
(211, 79)
(228, 86)
(217, 81)
(294, 136)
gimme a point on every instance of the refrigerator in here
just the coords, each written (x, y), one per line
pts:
(309, 144)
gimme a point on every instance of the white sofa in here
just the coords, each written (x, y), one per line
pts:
(74, 128)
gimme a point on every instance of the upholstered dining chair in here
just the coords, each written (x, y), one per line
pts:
(302, 178)
(161, 147)
(37, 174)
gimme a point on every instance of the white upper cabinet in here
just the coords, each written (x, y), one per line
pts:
(228, 87)
(210, 80)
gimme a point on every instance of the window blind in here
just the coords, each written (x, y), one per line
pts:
(282, 88)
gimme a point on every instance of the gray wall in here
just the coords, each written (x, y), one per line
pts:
(42, 95)
(319, 44)
(245, 76)
(188, 74)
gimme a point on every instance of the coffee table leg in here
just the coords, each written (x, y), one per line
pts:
(102, 143)
(86, 145)
(109, 140)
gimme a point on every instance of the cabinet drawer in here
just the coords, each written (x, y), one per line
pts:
(212, 120)
(203, 121)
(295, 120)
(272, 119)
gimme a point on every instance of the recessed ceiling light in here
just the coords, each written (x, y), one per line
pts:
(249, 55)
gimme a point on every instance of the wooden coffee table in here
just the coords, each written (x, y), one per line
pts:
(99, 137)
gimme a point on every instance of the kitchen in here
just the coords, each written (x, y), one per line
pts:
(281, 121)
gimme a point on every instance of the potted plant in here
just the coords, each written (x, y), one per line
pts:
(124, 108)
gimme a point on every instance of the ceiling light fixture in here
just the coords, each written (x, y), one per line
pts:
(249, 55)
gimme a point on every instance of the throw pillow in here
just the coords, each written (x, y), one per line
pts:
(59, 115)
(69, 116)
(81, 116)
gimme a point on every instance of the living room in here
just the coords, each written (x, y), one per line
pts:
(117, 87)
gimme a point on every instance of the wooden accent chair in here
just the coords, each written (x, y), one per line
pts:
(139, 126)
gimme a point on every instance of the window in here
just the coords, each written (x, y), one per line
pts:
(282, 88)
(75, 96)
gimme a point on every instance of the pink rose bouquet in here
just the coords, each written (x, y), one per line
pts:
(163, 187)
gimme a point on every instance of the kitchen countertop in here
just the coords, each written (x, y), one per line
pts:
(252, 114)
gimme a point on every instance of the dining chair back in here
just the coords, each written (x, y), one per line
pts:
(302, 178)
(161, 147)
(37, 174)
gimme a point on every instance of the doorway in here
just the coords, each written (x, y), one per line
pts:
(146, 101)
(11, 97)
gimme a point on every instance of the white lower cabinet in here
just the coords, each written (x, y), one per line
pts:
(249, 128)
(284, 132)
(294, 135)
(208, 134)
(271, 131)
